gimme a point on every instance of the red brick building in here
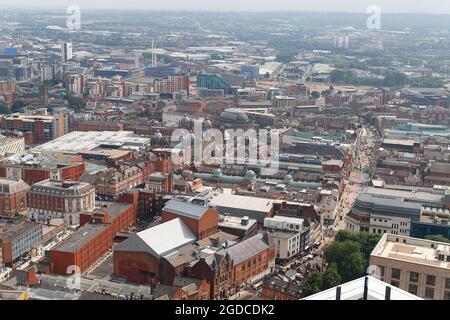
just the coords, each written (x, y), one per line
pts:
(93, 239)
(201, 220)
(276, 288)
(139, 258)
(13, 195)
(37, 167)
(230, 269)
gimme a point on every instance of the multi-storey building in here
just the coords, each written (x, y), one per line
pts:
(172, 84)
(381, 214)
(94, 238)
(114, 181)
(13, 196)
(51, 199)
(18, 239)
(421, 267)
(34, 167)
(201, 220)
(43, 127)
(212, 81)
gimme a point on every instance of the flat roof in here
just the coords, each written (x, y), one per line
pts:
(184, 208)
(82, 236)
(412, 250)
(417, 196)
(86, 141)
(225, 200)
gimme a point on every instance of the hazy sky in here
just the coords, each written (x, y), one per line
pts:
(407, 6)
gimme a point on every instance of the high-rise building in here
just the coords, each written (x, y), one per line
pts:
(66, 51)
(250, 71)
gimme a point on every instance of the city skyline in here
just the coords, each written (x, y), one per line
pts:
(351, 6)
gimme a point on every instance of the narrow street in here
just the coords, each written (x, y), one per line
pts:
(358, 178)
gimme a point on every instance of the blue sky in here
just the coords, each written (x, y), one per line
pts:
(407, 6)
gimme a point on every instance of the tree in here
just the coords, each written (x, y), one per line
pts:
(18, 106)
(315, 94)
(348, 258)
(4, 108)
(366, 240)
(313, 284)
(331, 277)
(342, 76)
(267, 75)
(437, 237)
(395, 79)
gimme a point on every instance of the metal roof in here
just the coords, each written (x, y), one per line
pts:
(186, 209)
(160, 239)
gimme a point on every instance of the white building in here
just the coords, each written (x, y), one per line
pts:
(288, 244)
(291, 235)
(284, 223)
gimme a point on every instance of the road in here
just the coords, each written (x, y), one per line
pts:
(363, 161)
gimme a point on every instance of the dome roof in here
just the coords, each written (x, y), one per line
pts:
(250, 174)
(234, 115)
(185, 121)
(207, 124)
(217, 172)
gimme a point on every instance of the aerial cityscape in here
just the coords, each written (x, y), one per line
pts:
(255, 155)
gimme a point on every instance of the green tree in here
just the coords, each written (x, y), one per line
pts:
(437, 237)
(366, 240)
(348, 257)
(4, 108)
(395, 79)
(313, 284)
(331, 277)
(18, 106)
(315, 94)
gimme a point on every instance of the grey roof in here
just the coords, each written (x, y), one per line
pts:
(159, 240)
(388, 206)
(186, 209)
(163, 290)
(249, 248)
(307, 148)
(78, 239)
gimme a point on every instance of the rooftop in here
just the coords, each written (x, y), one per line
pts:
(228, 200)
(12, 185)
(159, 240)
(86, 141)
(249, 248)
(82, 236)
(412, 250)
(184, 208)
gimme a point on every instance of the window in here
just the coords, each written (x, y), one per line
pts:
(381, 271)
(412, 289)
(431, 280)
(447, 295)
(429, 293)
(413, 277)
(447, 283)
(395, 283)
(395, 274)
